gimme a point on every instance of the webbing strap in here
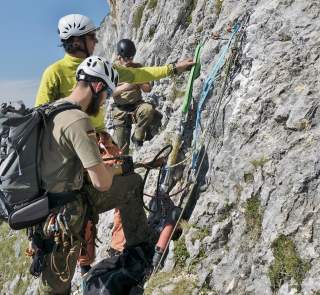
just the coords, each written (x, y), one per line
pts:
(61, 199)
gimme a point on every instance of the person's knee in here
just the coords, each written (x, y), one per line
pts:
(146, 110)
(135, 179)
(126, 183)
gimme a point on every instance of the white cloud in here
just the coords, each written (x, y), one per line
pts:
(13, 90)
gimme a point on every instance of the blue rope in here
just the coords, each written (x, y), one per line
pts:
(207, 88)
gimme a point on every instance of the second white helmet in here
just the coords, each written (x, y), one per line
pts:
(74, 25)
(95, 68)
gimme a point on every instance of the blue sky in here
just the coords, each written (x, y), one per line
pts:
(29, 41)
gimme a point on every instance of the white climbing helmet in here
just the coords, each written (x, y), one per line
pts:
(74, 25)
(95, 68)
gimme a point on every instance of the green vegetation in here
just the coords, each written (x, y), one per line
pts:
(259, 162)
(200, 234)
(253, 216)
(137, 16)
(152, 31)
(196, 260)
(182, 285)
(185, 225)
(219, 6)
(193, 5)
(199, 29)
(180, 252)
(287, 263)
(13, 261)
(180, 280)
(189, 19)
(248, 177)
(152, 4)
(158, 280)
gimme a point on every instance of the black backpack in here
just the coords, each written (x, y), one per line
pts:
(119, 275)
(21, 132)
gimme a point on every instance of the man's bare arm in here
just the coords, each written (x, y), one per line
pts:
(101, 176)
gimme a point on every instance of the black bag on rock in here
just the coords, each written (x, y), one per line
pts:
(118, 275)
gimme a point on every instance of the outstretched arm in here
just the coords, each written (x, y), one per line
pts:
(147, 74)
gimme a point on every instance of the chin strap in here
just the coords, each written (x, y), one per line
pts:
(95, 95)
(85, 50)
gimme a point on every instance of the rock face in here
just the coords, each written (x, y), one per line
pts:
(255, 224)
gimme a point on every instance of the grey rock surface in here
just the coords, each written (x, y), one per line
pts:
(266, 137)
(258, 205)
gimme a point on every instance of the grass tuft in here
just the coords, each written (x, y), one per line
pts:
(137, 16)
(253, 217)
(259, 162)
(152, 4)
(287, 264)
(181, 252)
(219, 6)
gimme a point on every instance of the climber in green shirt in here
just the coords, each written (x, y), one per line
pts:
(77, 34)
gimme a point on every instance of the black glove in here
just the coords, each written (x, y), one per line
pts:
(127, 165)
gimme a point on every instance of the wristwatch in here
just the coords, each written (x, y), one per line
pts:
(174, 68)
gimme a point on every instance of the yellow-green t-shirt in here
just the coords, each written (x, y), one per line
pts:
(59, 79)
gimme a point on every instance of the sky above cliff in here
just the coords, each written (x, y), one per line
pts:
(29, 41)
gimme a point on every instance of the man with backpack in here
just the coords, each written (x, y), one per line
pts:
(129, 107)
(69, 145)
(77, 34)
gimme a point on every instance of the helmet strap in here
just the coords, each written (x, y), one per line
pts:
(95, 95)
(84, 42)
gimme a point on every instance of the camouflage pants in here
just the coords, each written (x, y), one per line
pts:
(125, 194)
(141, 114)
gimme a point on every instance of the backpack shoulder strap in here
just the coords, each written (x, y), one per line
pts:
(49, 111)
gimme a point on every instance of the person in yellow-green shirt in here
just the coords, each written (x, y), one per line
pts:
(77, 34)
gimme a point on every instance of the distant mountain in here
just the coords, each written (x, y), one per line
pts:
(25, 90)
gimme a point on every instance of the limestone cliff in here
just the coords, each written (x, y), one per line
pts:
(255, 227)
(254, 224)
